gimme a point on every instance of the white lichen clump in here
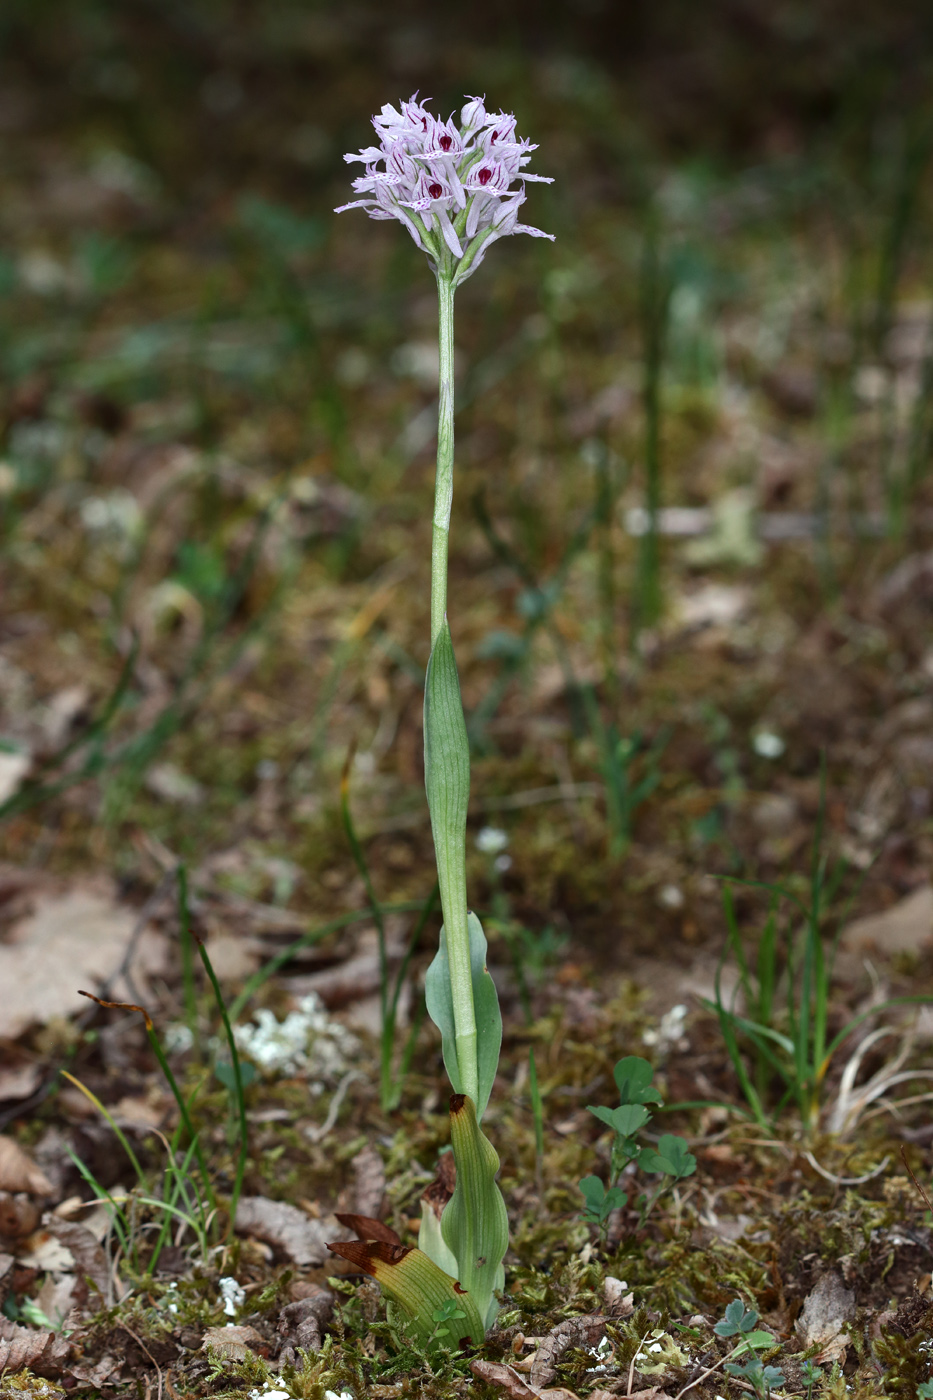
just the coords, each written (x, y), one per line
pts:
(307, 1041)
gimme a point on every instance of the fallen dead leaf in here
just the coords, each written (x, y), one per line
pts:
(21, 1347)
(234, 1343)
(69, 941)
(904, 928)
(618, 1302)
(19, 1081)
(504, 1377)
(287, 1228)
(19, 1215)
(826, 1310)
(369, 1182)
(13, 769)
(18, 1172)
(587, 1330)
(300, 1323)
(96, 1373)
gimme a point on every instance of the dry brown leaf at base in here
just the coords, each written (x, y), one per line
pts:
(233, 1343)
(22, 1348)
(18, 1172)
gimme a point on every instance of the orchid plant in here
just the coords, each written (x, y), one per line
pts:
(456, 189)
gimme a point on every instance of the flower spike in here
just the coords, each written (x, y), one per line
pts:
(456, 189)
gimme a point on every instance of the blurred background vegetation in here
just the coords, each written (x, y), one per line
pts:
(217, 404)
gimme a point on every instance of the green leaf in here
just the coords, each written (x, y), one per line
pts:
(672, 1157)
(437, 993)
(431, 1240)
(625, 1121)
(752, 1340)
(224, 1072)
(633, 1077)
(737, 1318)
(600, 1201)
(593, 1190)
(474, 1224)
(447, 783)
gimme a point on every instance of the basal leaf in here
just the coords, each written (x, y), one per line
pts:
(415, 1282)
(474, 1224)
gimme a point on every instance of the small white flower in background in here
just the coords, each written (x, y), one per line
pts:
(233, 1294)
(332, 1395)
(177, 1038)
(670, 1028)
(671, 897)
(503, 863)
(768, 745)
(268, 1392)
(307, 1040)
(456, 189)
(491, 839)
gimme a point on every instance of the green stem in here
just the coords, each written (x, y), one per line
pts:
(444, 481)
(453, 890)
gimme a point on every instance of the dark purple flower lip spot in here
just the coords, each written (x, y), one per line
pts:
(446, 142)
(484, 176)
(435, 191)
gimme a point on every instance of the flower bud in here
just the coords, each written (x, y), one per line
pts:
(473, 114)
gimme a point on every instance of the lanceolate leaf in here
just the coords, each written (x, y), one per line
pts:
(486, 1009)
(475, 1225)
(415, 1282)
(447, 781)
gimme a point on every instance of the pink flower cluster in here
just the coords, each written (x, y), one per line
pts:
(452, 187)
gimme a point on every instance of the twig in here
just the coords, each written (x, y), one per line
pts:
(140, 1343)
(316, 1134)
(926, 1199)
(631, 1370)
(846, 1180)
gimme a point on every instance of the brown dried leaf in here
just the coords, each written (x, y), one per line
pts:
(439, 1191)
(369, 1183)
(504, 1377)
(19, 1215)
(21, 1347)
(19, 1081)
(90, 1261)
(233, 1342)
(286, 1228)
(18, 1172)
(365, 1228)
(826, 1310)
(299, 1323)
(95, 1374)
(585, 1331)
(71, 940)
